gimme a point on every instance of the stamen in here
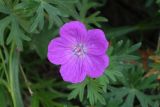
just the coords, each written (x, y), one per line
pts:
(79, 50)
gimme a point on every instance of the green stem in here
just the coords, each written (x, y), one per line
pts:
(2, 82)
(26, 81)
(14, 77)
(4, 65)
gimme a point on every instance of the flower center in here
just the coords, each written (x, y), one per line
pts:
(79, 50)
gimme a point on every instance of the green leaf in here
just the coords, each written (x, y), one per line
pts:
(134, 48)
(120, 31)
(3, 97)
(25, 9)
(35, 101)
(63, 1)
(112, 73)
(129, 100)
(47, 98)
(84, 6)
(114, 102)
(156, 104)
(148, 82)
(3, 7)
(16, 33)
(54, 11)
(142, 98)
(93, 88)
(127, 57)
(39, 20)
(95, 19)
(53, 14)
(119, 93)
(104, 81)
(4, 24)
(66, 7)
(95, 93)
(40, 41)
(124, 50)
(78, 90)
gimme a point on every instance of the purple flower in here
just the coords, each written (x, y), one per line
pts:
(80, 52)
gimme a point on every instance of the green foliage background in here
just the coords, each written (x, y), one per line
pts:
(27, 79)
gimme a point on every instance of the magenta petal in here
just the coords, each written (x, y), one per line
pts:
(74, 29)
(96, 65)
(73, 71)
(97, 43)
(59, 51)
